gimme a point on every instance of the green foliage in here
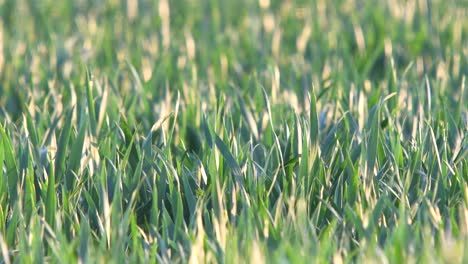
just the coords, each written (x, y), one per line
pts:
(233, 131)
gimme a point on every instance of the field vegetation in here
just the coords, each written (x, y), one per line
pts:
(232, 131)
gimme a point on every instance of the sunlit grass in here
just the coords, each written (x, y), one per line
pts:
(233, 131)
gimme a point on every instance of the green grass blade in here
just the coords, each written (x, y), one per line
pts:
(313, 126)
(89, 96)
(51, 197)
(62, 147)
(230, 160)
(11, 167)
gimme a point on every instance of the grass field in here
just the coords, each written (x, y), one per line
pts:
(233, 131)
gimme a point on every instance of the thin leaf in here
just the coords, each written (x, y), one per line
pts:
(230, 160)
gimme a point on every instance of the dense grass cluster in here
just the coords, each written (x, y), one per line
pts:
(233, 131)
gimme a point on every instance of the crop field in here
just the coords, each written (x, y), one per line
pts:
(233, 131)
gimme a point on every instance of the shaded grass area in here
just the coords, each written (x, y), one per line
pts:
(233, 131)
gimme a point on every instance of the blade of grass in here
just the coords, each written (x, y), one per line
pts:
(11, 167)
(51, 197)
(62, 146)
(89, 96)
(4, 249)
(230, 160)
(313, 126)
